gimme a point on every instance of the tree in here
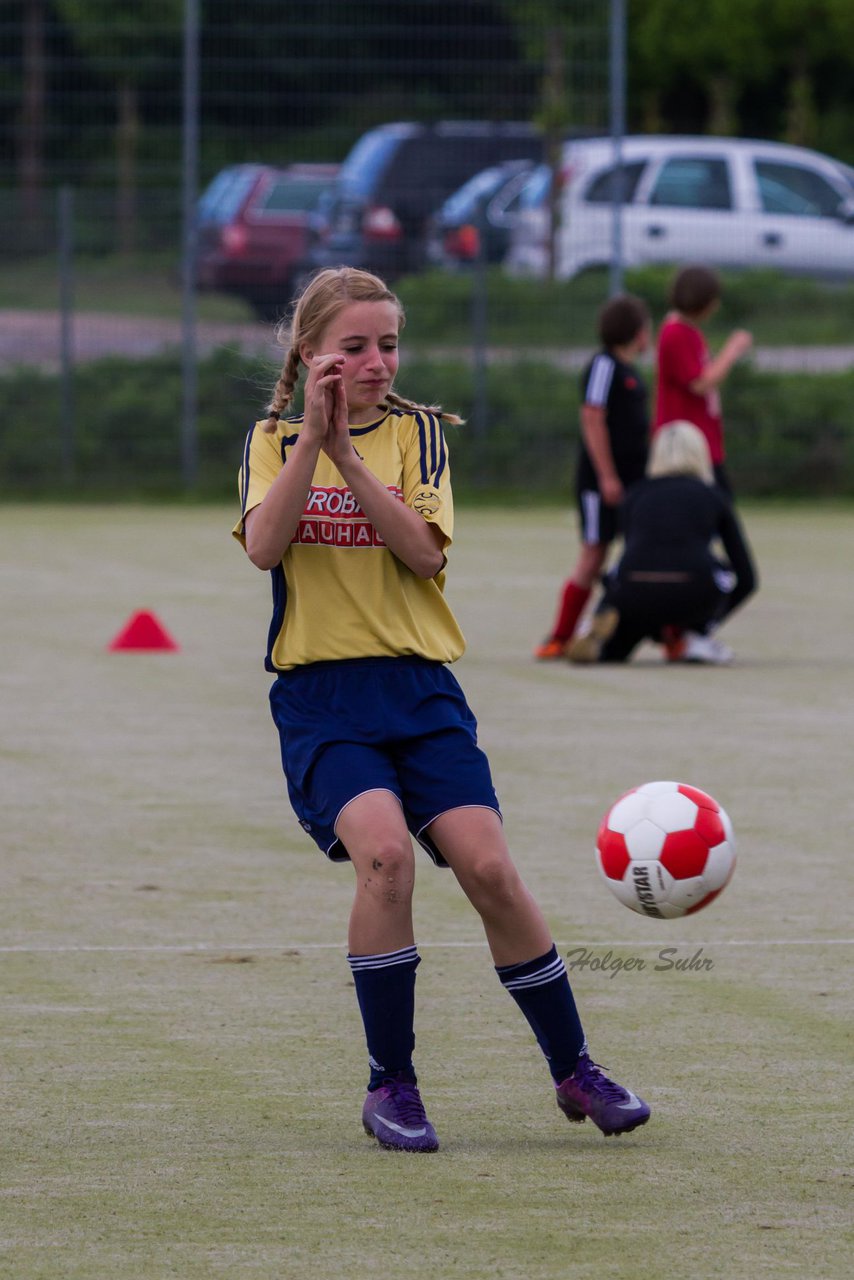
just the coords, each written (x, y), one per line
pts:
(807, 36)
(32, 118)
(567, 41)
(790, 60)
(718, 47)
(127, 46)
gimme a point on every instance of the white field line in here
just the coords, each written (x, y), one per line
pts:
(202, 947)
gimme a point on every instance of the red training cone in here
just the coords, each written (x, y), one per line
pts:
(143, 631)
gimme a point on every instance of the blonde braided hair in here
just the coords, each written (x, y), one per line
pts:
(283, 392)
(327, 293)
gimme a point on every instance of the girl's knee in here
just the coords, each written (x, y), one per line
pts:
(492, 883)
(387, 872)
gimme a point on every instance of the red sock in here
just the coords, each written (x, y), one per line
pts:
(571, 608)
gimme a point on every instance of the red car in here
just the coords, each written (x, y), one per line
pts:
(256, 225)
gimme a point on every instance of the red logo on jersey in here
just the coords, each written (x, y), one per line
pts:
(333, 518)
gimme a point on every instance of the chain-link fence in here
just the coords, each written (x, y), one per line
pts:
(170, 175)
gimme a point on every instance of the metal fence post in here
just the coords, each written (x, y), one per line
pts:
(65, 237)
(617, 90)
(190, 148)
(480, 339)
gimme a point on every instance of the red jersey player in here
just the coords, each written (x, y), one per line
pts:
(688, 376)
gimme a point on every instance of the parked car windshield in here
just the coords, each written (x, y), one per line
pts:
(483, 184)
(536, 189)
(365, 162)
(292, 194)
(220, 201)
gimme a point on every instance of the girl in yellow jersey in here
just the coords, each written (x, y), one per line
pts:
(348, 506)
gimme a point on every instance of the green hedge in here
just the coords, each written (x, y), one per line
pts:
(522, 313)
(787, 434)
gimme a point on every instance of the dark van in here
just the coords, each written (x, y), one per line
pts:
(376, 215)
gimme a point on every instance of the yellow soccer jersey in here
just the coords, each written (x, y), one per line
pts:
(339, 592)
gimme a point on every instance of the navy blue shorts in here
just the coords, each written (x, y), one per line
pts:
(365, 724)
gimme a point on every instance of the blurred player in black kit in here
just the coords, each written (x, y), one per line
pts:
(612, 455)
(669, 580)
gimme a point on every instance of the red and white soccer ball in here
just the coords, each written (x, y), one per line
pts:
(666, 849)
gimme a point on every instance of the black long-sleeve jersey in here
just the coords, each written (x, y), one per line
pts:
(670, 525)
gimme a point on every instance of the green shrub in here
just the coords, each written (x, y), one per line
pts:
(525, 314)
(786, 433)
(790, 433)
(521, 314)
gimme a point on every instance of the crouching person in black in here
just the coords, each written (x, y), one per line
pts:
(671, 585)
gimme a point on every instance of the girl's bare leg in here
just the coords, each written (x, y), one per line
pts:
(473, 843)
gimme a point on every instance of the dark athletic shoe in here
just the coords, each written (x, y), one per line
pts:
(394, 1115)
(589, 1092)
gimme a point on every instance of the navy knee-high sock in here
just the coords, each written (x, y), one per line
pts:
(541, 989)
(385, 989)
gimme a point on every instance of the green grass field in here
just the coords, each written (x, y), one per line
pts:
(183, 1059)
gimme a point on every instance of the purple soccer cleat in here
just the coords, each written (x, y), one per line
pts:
(589, 1092)
(394, 1115)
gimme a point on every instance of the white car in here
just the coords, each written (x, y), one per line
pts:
(727, 202)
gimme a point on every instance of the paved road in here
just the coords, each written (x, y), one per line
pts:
(33, 337)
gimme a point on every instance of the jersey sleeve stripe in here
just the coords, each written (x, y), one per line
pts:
(422, 444)
(244, 471)
(424, 426)
(599, 380)
(280, 601)
(433, 452)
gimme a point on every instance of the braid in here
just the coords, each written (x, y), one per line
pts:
(284, 390)
(398, 402)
